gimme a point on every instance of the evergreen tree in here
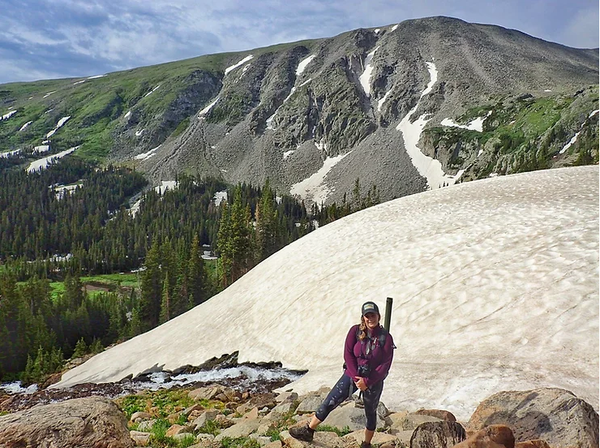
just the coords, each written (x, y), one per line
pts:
(196, 275)
(152, 288)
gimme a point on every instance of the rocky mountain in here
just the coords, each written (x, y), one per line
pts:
(416, 105)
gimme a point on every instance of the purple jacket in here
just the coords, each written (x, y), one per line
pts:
(379, 359)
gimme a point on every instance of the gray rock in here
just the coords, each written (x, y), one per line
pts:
(439, 434)
(81, 422)
(348, 415)
(556, 416)
(207, 416)
(146, 425)
(242, 429)
(310, 403)
(140, 438)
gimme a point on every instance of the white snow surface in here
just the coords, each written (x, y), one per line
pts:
(60, 123)
(7, 115)
(475, 125)
(42, 148)
(314, 188)
(495, 287)
(25, 126)
(365, 77)
(166, 185)
(574, 138)
(429, 168)
(303, 63)
(41, 164)
(6, 155)
(207, 108)
(242, 62)
(220, 196)
(146, 155)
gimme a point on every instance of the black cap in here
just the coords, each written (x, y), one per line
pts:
(369, 307)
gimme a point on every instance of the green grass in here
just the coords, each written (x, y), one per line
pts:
(340, 432)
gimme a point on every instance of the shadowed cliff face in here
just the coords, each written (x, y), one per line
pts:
(331, 108)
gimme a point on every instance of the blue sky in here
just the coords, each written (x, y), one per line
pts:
(41, 39)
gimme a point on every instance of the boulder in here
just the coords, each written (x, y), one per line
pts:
(351, 416)
(379, 438)
(178, 429)
(137, 417)
(437, 413)
(280, 410)
(440, 434)
(401, 421)
(310, 403)
(286, 396)
(206, 393)
(205, 417)
(242, 429)
(140, 438)
(81, 422)
(494, 436)
(556, 416)
(146, 425)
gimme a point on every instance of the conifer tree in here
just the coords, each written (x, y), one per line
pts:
(152, 288)
(196, 275)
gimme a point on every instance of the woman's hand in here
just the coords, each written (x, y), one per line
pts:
(360, 383)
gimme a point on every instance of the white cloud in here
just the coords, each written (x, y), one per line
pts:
(71, 38)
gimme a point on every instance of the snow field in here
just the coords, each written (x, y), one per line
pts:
(495, 287)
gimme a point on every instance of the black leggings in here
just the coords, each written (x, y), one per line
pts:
(342, 390)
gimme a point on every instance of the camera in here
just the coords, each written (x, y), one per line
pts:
(364, 371)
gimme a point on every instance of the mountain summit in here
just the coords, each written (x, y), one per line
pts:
(495, 287)
(407, 107)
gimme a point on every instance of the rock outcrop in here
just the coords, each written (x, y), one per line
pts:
(555, 416)
(78, 423)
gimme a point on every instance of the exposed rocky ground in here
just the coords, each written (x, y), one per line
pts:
(218, 416)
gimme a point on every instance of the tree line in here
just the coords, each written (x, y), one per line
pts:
(95, 227)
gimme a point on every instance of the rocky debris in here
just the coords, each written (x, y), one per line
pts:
(554, 415)
(84, 422)
(505, 420)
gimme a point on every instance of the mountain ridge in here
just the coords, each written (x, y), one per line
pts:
(266, 118)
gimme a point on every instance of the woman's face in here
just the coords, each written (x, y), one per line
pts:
(371, 320)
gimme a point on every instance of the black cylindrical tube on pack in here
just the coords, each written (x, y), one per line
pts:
(388, 313)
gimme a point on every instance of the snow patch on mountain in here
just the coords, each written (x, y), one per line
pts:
(365, 77)
(41, 164)
(314, 188)
(7, 115)
(6, 155)
(204, 111)
(25, 126)
(242, 62)
(60, 123)
(303, 63)
(574, 138)
(152, 91)
(475, 125)
(427, 167)
(146, 155)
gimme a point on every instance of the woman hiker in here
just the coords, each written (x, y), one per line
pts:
(368, 354)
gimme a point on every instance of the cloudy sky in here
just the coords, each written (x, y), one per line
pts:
(42, 39)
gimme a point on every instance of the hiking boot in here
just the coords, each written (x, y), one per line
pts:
(365, 445)
(304, 433)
